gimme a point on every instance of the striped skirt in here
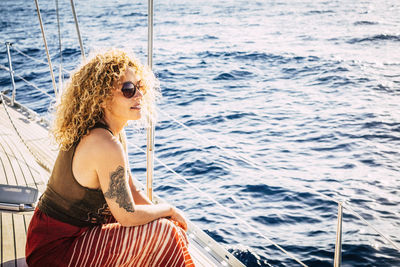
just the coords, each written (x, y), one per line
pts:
(54, 243)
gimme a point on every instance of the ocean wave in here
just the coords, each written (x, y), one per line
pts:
(385, 88)
(360, 255)
(241, 55)
(224, 76)
(190, 101)
(375, 38)
(172, 152)
(312, 12)
(380, 124)
(334, 81)
(345, 166)
(168, 189)
(365, 22)
(165, 74)
(209, 37)
(206, 120)
(200, 167)
(341, 147)
(135, 14)
(249, 257)
(234, 75)
(284, 219)
(252, 57)
(263, 189)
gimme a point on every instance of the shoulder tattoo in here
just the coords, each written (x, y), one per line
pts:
(119, 189)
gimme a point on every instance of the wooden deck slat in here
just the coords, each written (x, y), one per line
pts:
(8, 248)
(24, 176)
(18, 177)
(1, 238)
(3, 173)
(36, 137)
(27, 218)
(31, 175)
(8, 171)
(19, 235)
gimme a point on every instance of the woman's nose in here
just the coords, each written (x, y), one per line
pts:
(138, 95)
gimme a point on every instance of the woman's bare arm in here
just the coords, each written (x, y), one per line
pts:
(110, 165)
(138, 195)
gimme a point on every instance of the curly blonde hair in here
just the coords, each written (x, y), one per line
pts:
(91, 85)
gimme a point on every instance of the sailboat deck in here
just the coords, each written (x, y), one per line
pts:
(26, 157)
(18, 168)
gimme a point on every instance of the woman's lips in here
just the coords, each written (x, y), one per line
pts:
(136, 107)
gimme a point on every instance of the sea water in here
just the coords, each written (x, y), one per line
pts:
(283, 103)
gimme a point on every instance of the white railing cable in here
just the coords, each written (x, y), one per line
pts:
(34, 59)
(46, 48)
(28, 82)
(235, 154)
(4, 68)
(250, 162)
(34, 86)
(370, 225)
(223, 207)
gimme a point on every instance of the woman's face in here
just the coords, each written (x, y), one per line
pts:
(126, 107)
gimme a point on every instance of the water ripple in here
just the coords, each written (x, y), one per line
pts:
(375, 38)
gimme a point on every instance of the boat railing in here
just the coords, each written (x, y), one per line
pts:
(341, 204)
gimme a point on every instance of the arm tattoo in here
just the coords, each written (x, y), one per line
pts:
(118, 189)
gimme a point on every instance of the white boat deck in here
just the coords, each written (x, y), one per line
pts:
(29, 162)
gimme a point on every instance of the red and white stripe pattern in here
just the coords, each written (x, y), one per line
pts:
(159, 243)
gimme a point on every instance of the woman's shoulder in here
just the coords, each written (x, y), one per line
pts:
(100, 142)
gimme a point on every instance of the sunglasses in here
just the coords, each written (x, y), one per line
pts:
(129, 89)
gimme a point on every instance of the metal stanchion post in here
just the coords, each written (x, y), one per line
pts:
(8, 44)
(338, 245)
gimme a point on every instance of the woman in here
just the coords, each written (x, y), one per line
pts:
(91, 213)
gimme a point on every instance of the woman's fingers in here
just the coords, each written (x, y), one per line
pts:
(179, 217)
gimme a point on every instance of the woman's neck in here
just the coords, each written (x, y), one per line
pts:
(115, 126)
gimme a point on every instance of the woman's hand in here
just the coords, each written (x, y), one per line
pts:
(179, 217)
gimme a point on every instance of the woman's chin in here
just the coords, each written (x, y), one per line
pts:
(135, 114)
(136, 117)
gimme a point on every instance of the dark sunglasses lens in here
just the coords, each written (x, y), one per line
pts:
(128, 89)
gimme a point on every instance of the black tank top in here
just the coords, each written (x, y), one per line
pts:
(68, 201)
